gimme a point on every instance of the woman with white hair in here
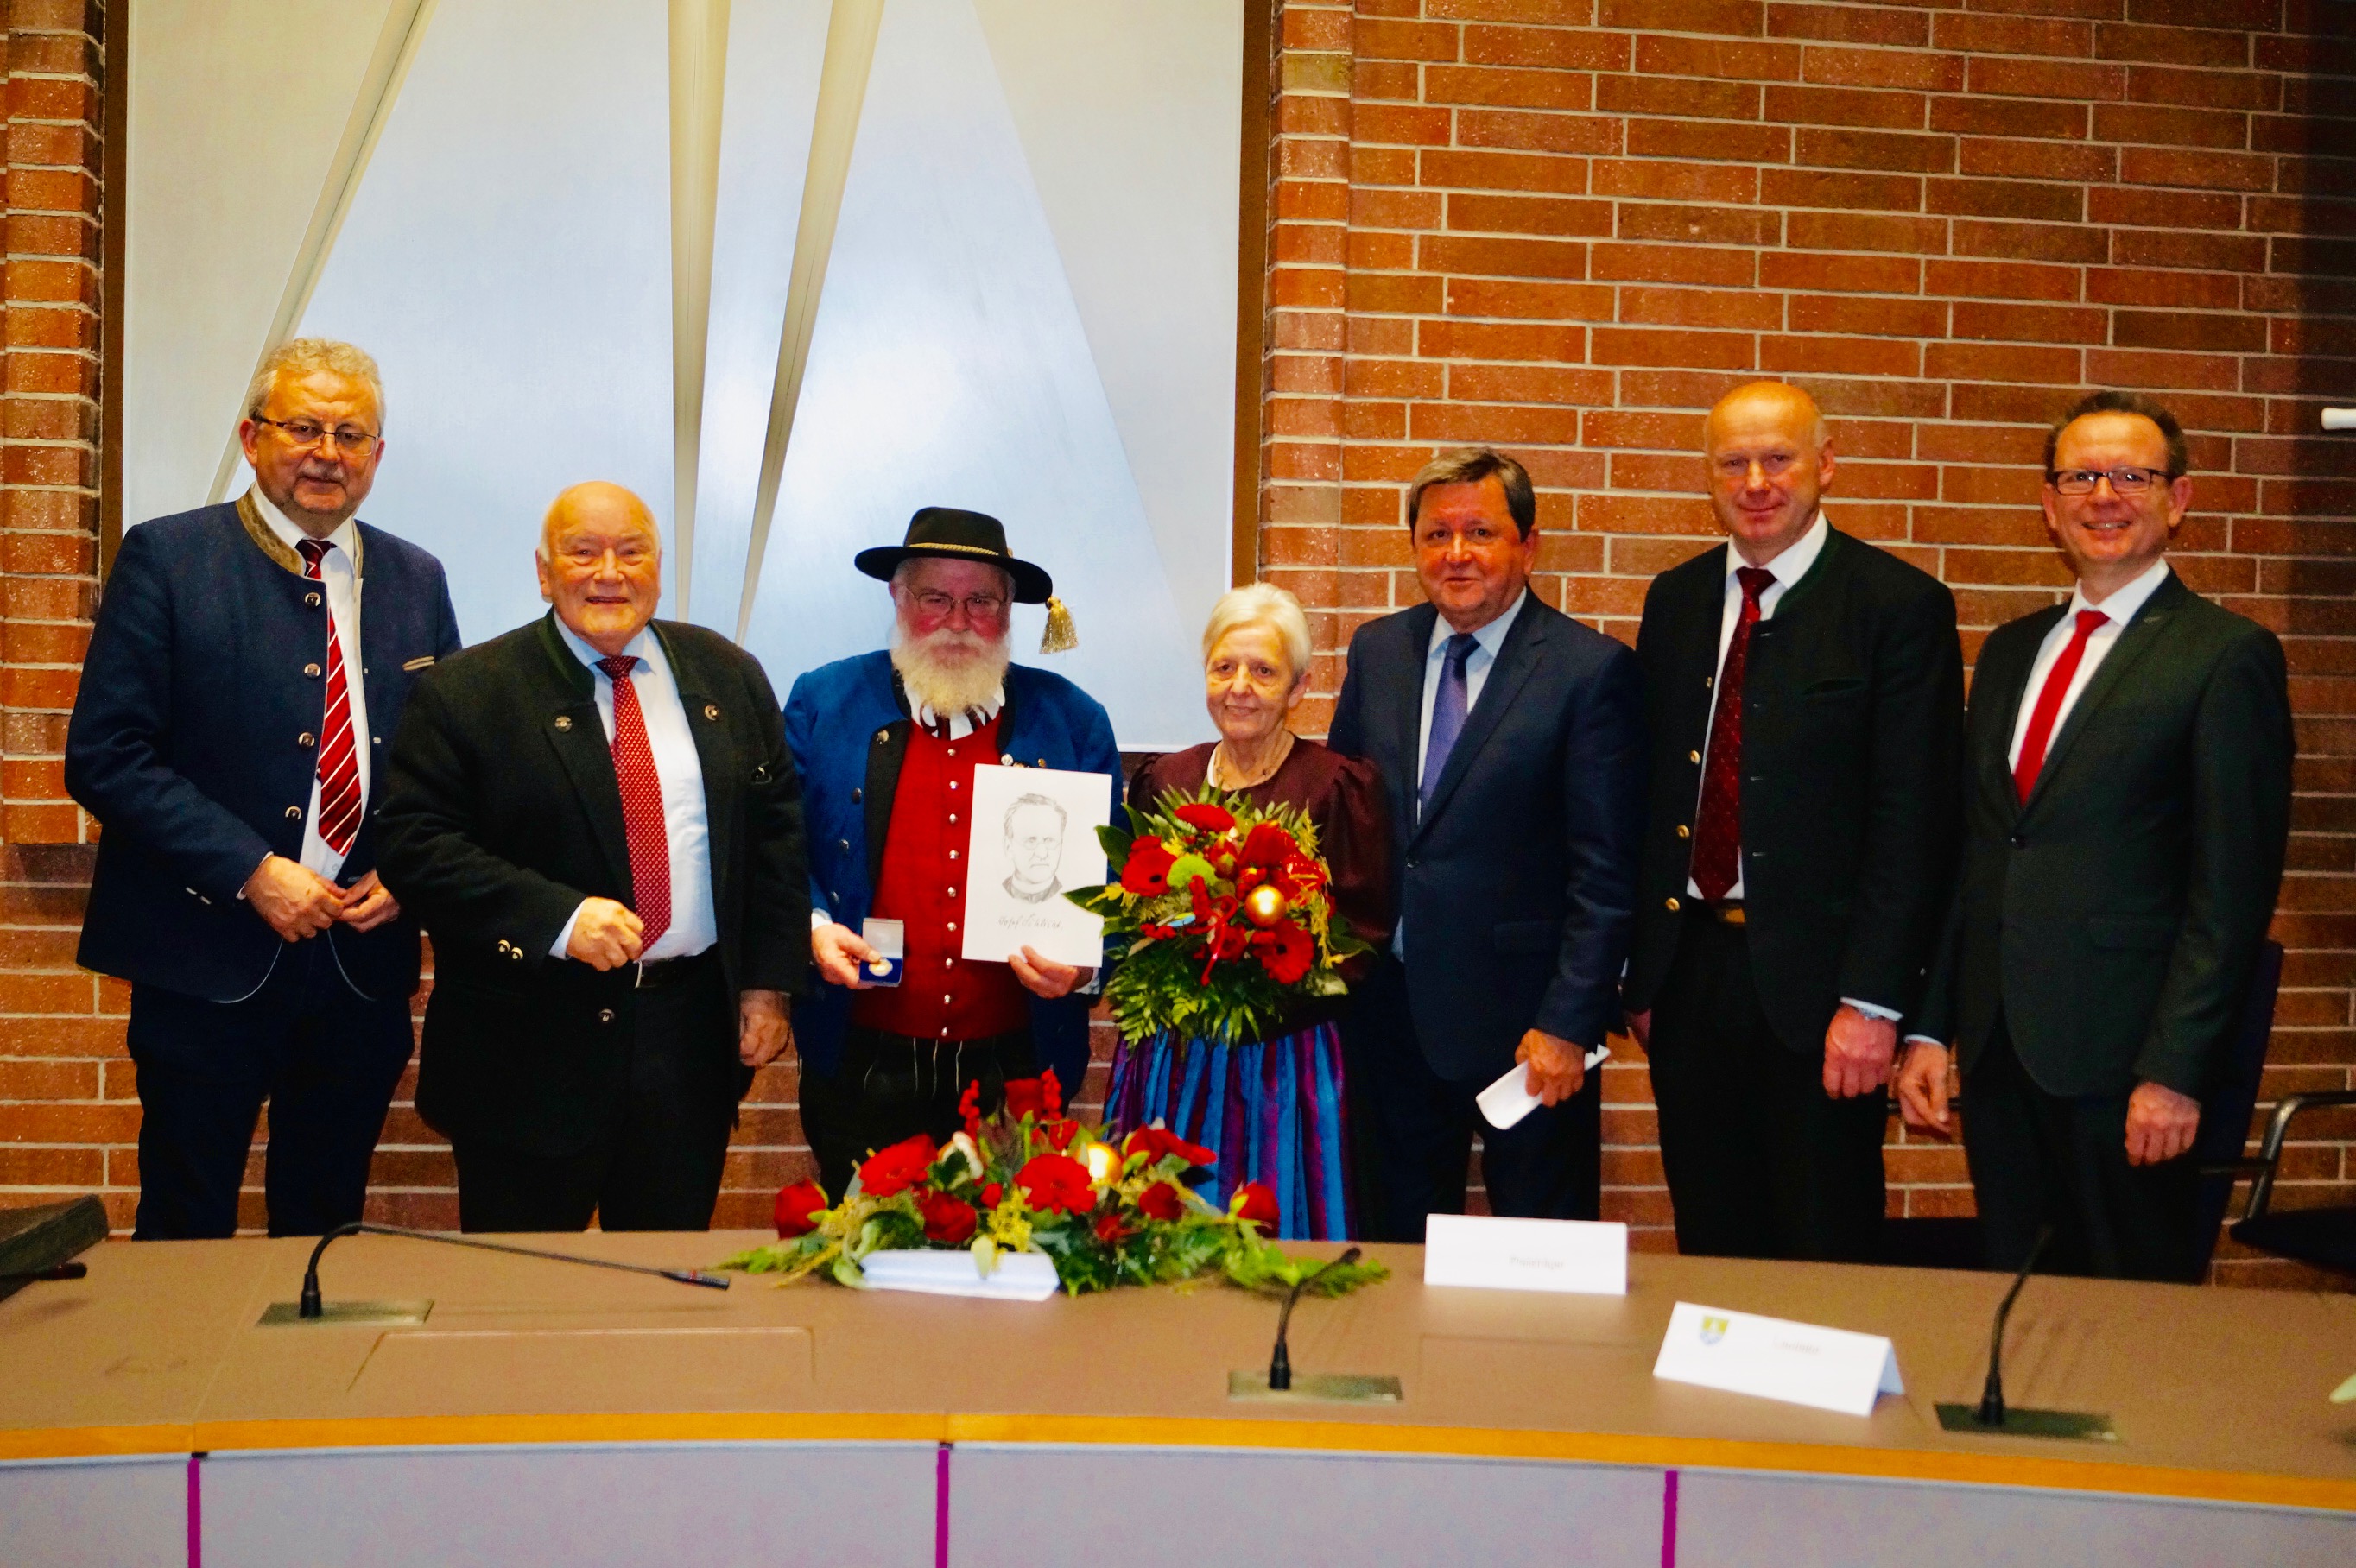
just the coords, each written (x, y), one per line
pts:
(1273, 1111)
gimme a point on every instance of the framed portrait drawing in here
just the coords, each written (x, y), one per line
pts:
(1033, 838)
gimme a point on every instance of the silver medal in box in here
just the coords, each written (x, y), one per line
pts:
(889, 938)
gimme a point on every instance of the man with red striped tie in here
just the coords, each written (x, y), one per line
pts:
(596, 820)
(226, 737)
(2127, 785)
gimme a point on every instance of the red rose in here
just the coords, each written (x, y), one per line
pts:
(1057, 1182)
(1025, 1097)
(1155, 1142)
(1110, 1231)
(1286, 952)
(1208, 815)
(1258, 1206)
(947, 1219)
(1160, 1201)
(990, 1194)
(1269, 845)
(1148, 871)
(796, 1205)
(898, 1168)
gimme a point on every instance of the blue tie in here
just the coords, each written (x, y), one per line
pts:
(1449, 706)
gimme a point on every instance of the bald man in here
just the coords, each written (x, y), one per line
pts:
(596, 820)
(1804, 693)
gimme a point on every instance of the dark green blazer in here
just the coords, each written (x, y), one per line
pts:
(2113, 919)
(1852, 726)
(502, 813)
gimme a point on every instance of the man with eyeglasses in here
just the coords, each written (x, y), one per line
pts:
(229, 738)
(595, 819)
(2126, 804)
(1803, 698)
(887, 742)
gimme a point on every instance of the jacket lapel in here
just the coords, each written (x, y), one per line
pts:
(578, 734)
(1405, 720)
(2137, 638)
(2009, 688)
(1515, 661)
(715, 752)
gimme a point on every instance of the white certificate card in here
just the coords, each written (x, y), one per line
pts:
(1034, 837)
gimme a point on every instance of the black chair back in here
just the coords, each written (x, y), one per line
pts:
(2225, 1112)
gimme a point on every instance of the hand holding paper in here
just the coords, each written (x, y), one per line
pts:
(1509, 1099)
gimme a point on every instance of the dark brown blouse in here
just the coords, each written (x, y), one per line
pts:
(1345, 799)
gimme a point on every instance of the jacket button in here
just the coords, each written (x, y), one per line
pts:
(1675, 906)
(1708, 681)
(1683, 831)
(881, 736)
(2020, 842)
(711, 710)
(503, 944)
(564, 721)
(311, 670)
(307, 738)
(293, 814)
(312, 600)
(1412, 862)
(516, 953)
(856, 795)
(604, 1015)
(1693, 756)
(844, 844)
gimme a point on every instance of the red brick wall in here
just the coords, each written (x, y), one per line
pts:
(1563, 226)
(1566, 227)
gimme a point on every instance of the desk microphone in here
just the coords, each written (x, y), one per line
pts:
(1279, 1365)
(312, 1307)
(1991, 1411)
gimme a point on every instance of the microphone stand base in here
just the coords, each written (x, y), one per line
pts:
(2021, 1422)
(1323, 1388)
(350, 1314)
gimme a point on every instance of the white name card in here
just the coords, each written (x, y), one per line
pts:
(1581, 1256)
(1018, 1276)
(1799, 1363)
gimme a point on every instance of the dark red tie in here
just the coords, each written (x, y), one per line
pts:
(1717, 831)
(2049, 704)
(340, 764)
(642, 805)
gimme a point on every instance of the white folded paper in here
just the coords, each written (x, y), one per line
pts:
(1799, 1363)
(1490, 1253)
(1509, 1099)
(1018, 1276)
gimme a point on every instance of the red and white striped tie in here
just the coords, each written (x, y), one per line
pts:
(340, 764)
(642, 803)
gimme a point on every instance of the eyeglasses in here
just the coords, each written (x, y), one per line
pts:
(978, 606)
(2124, 481)
(350, 440)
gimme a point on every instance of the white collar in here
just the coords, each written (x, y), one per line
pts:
(641, 647)
(1490, 637)
(1798, 556)
(2122, 601)
(291, 536)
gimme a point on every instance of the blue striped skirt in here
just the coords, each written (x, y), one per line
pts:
(1271, 1112)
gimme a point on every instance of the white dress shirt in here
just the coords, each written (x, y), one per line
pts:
(2120, 606)
(343, 590)
(1477, 665)
(1787, 569)
(693, 927)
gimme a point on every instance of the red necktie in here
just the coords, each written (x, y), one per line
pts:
(1718, 829)
(340, 764)
(642, 805)
(2049, 705)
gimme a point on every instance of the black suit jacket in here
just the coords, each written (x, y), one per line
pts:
(195, 738)
(1852, 728)
(503, 813)
(1515, 889)
(2113, 918)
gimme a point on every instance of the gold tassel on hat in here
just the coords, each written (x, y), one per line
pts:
(1060, 634)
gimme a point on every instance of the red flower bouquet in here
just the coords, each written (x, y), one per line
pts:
(1220, 914)
(1033, 1180)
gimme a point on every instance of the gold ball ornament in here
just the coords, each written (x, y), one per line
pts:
(1265, 905)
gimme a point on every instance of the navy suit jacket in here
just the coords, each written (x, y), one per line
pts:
(1517, 888)
(186, 743)
(848, 734)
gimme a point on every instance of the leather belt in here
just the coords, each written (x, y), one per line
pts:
(664, 972)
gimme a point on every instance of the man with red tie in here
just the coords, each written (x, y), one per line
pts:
(2127, 805)
(1803, 698)
(596, 820)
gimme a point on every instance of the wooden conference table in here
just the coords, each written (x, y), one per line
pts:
(544, 1414)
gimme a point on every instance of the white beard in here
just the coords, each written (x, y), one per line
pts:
(950, 687)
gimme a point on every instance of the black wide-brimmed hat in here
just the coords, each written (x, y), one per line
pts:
(945, 533)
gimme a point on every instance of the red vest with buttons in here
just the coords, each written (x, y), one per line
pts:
(940, 996)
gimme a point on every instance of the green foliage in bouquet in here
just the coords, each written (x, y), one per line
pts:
(1221, 914)
(1033, 1179)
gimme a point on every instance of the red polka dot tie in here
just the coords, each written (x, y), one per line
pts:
(339, 765)
(1718, 829)
(642, 803)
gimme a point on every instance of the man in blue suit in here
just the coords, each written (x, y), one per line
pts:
(1512, 739)
(887, 743)
(228, 736)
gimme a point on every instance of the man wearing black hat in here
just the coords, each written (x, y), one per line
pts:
(887, 743)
